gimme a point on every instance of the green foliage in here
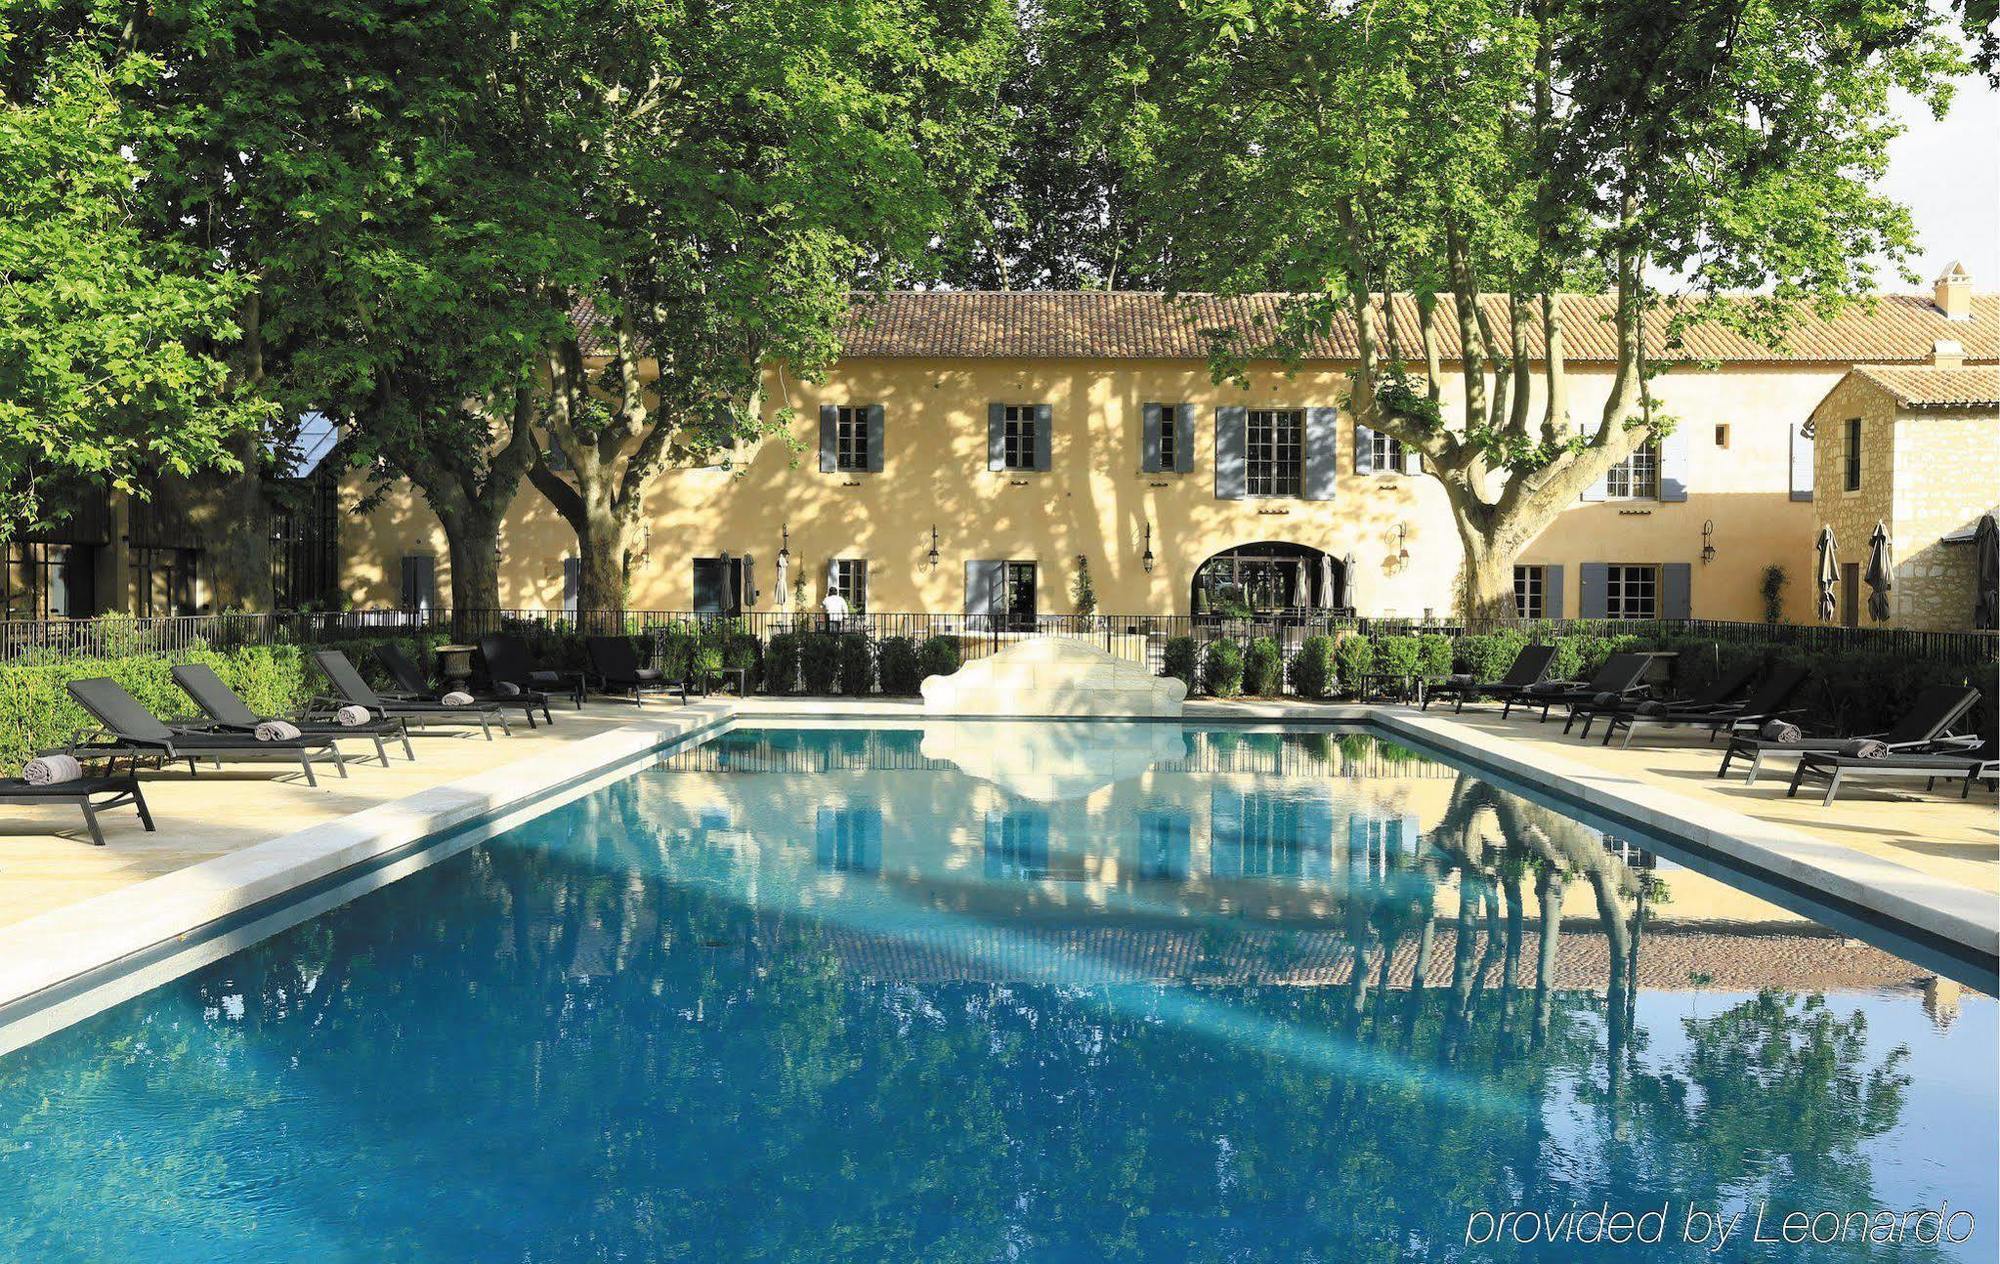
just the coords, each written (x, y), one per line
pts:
(1180, 658)
(939, 656)
(1488, 655)
(1771, 588)
(819, 662)
(781, 662)
(1399, 654)
(1083, 593)
(677, 645)
(1263, 668)
(1312, 669)
(1353, 658)
(1434, 654)
(897, 664)
(1222, 669)
(857, 665)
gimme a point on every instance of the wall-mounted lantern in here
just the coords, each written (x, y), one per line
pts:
(1402, 545)
(1708, 542)
(1146, 559)
(932, 556)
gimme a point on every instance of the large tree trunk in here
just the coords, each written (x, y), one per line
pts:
(603, 546)
(472, 538)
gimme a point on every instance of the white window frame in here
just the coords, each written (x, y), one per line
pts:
(1385, 452)
(850, 580)
(1637, 477)
(850, 439)
(1267, 475)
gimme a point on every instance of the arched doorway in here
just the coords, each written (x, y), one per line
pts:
(1271, 577)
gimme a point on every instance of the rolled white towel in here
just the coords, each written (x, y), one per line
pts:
(49, 770)
(457, 698)
(276, 731)
(506, 688)
(352, 715)
(1780, 731)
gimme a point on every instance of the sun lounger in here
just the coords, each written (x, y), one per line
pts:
(1967, 765)
(350, 689)
(1721, 694)
(227, 711)
(1620, 674)
(1528, 668)
(130, 729)
(412, 687)
(1770, 700)
(92, 794)
(508, 662)
(614, 665)
(1929, 719)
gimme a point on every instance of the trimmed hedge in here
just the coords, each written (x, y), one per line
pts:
(1263, 668)
(819, 662)
(857, 664)
(1353, 658)
(939, 656)
(1180, 658)
(1312, 668)
(897, 664)
(1222, 669)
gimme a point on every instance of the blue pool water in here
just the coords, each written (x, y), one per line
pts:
(1045, 993)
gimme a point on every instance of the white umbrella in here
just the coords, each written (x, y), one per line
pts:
(784, 580)
(1326, 581)
(1353, 569)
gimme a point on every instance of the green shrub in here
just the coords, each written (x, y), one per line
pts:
(819, 662)
(1434, 654)
(1399, 654)
(1353, 658)
(897, 664)
(781, 663)
(938, 656)
(708, 661)
(1312, 668)
(677, 643)
(1222, 672)
(1487, 656)
(857, 664)
(1180, 658)
(1263, 668)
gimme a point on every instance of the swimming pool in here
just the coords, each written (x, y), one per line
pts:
(1028, 991)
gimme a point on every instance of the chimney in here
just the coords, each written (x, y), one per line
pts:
(1947, 354)
(1952, 292)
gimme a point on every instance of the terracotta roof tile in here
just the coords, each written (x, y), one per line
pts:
(1923, 386)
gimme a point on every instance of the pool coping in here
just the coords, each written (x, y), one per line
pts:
(60, 967)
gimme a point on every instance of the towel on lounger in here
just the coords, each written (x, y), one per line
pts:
(1547, 686)
(1780, 731)
(457, 698)
(506, 688)
(1606, 699)
(1460, 679)
(352, 715)
(276, 731)
(1651, 708)
(1865, 748)
(49, 770)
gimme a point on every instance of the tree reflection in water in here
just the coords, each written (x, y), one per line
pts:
(621, 1034)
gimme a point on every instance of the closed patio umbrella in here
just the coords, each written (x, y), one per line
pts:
(1881, 573)
(784, 575)
(1301, 593)
(725, 597)
(1986, 550)
(1326, 601)
(1828, 575)
(1353, 569)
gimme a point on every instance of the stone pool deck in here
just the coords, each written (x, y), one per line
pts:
(66, 906)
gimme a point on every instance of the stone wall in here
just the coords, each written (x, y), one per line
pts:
(1851, 514)
(1947, 475)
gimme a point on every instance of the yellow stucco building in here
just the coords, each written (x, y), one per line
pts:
(1021, 435)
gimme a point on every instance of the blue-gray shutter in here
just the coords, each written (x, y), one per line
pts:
(875, 433)
(1802, 461)
(1676, 583)
(1357, 839)
(1225, 833)
(1364, 450)
(829, 427)
(996, 436)
(1552, 592)
(982, 586)
(1232, 478)
(1150, 417)
(1674, 465)
(1593, 595)
(1322, 473)
(1044, 436)
(1183, 437)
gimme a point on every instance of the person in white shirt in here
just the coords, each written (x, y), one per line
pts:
(835, 606)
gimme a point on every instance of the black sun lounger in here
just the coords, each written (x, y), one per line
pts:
(131, 729)
(1720, 695)
(614, 665)
(1620, 674)
(92, 794)
(1969, 765)
(508, 662)
(351, 690)
(412, 687)
(1528, 668)
(228, 711)
(1770, 700)
(1923, 726)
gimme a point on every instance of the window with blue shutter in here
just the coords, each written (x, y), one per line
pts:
(1321, 475)
(1231, 478)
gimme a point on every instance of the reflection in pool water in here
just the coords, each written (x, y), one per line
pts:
(831, 995)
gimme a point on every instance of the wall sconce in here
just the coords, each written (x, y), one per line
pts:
(932, 557)
(785, 545)
(1402, 545)
(645, 546)
(1146, 558)
(1708, 542)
